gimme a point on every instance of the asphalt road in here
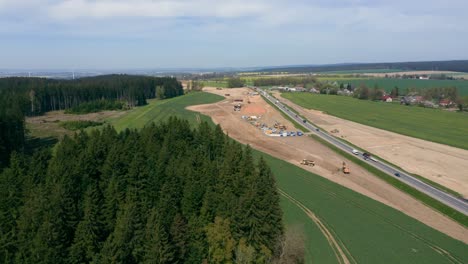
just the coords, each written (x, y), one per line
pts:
(448, 199)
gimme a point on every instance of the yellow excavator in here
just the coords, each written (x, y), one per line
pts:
(345, 168)
(308, 162)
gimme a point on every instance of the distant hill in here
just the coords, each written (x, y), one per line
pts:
(454, 65)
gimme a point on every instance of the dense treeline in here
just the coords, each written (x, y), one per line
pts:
(456, 65)
(235, 82)
(284, 81)
(45, 95)
(166, 194)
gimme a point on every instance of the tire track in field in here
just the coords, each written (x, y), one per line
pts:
(337, 246)
(425, 241)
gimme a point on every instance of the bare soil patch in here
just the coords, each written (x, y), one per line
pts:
(328, 163)
(440, 163)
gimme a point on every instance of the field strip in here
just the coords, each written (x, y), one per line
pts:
(433, 246)
(335, 245)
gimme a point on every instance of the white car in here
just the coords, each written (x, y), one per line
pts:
(355, 152)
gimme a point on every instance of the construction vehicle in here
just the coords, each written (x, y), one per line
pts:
(345, 168)
(279, 126)
(308, 162)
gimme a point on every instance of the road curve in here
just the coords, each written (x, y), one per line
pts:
(448, 199)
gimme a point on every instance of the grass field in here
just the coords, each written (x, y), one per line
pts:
(363, 71)
(440, 126)
(159, 110)
(213, 83)
(370, 231)
(388, 83)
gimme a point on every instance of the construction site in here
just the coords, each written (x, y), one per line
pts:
(309, 154)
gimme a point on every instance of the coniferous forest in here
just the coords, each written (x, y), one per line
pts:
(165, 194)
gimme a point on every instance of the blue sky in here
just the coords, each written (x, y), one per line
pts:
(121, 34)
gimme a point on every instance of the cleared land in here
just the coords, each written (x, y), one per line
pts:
(435, 125)
(365, 230)
(437, 162)
(442, 164)
(328, 163)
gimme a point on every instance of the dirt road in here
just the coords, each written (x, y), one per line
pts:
(440, 163)
(328, 163)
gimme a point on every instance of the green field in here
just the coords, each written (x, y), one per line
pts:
(363, 71)
(158, 110)
(370, 231)
(388, 84)
(213, 83)
(450, 128)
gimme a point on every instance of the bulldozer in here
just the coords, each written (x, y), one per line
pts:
(308, 162)
(345, 168)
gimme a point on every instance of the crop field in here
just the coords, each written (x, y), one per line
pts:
(367, 231)
(435, 125)
(388, 84)
(363, 71)
(362, 230)
(213, 83)
(159, 110)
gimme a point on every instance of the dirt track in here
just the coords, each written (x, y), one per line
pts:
(440, 163)
(294, 149)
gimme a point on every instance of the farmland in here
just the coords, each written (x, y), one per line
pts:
(389, 83)
(357, 222)
(214, 83)
(429, 124)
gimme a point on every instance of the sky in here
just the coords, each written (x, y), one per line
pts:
(138, 34)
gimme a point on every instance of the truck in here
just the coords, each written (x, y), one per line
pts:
(345, 168)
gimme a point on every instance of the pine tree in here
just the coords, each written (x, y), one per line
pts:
(89, 233)
(157, 246)
(118, 248)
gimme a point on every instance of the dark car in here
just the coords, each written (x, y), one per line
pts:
(397, 174)
(305, 121)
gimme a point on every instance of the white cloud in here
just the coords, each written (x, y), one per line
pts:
(71, 9)
(54, 16)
